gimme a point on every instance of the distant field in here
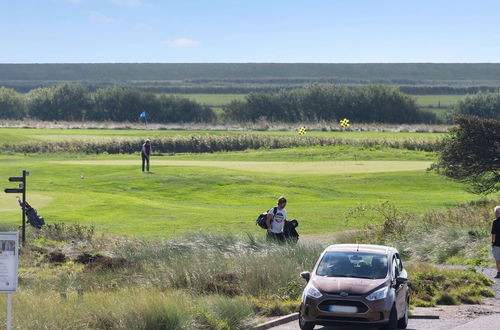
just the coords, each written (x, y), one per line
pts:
(438, 100)
(212, 99)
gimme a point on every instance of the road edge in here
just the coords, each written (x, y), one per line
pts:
(278, 321)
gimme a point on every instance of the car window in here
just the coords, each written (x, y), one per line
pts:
(353, 264)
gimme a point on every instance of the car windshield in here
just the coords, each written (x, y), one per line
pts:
(353, 264)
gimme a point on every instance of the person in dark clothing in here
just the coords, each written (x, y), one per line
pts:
(495, 239)
(145, 154)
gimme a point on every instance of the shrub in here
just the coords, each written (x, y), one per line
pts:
(56, 257)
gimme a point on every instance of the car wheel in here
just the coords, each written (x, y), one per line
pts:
(305, 325)
(393, 320)
(403, 322)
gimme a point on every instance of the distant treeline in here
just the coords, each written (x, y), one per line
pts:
(365, 104)
(73, 102)
(484, 105)
(446, 90)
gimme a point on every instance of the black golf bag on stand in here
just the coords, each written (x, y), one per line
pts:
(33, 218)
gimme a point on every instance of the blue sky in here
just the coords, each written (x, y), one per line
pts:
(312, 31)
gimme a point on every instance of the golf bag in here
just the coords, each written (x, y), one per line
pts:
(289, 231)
(261, 219)
(33, 218)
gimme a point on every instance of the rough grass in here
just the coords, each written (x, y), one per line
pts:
(459, 235)
(214, 143)
(201, 281)
(431, 286)
(127, 308)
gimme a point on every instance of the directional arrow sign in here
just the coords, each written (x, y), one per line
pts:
(16, 178)
(13, 191)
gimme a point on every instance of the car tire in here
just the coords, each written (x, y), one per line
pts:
(305, 325)
(403, 322)
(393, 320)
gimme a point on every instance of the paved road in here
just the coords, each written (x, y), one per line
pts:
(414, 324)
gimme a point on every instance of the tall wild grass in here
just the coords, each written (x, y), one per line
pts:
(212, 143)
(459, 235)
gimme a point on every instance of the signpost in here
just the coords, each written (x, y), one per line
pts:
(9, 258)
(20, 190)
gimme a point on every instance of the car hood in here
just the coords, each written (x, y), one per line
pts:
(351, 285)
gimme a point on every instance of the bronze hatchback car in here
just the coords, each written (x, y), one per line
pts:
(358, 285)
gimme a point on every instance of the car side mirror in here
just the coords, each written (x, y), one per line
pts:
(306, 276)
(401, 280)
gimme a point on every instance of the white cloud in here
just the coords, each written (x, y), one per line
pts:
(98, 17)
(182, 43)
(128, 3)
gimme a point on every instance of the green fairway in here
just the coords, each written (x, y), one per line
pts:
(296, 168)
(223, 191)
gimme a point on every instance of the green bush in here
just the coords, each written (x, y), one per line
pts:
(365, 104)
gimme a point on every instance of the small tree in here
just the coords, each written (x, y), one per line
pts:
(471, 154)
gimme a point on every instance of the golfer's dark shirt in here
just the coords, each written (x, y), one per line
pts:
(146, 149)
(495, 230)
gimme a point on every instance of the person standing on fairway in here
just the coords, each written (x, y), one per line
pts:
(495, 239)
(276, 217)
(145, 154)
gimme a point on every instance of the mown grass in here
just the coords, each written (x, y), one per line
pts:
(173, 200)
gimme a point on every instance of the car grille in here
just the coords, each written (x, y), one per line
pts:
(362, 308)
(342, 318)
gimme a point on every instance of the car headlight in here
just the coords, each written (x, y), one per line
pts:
(311, 291)
(379, 294)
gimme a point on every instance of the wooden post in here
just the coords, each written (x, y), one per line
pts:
(23, 237)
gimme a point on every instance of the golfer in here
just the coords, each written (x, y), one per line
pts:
(275, 221)
(495, 239)
(145, 154)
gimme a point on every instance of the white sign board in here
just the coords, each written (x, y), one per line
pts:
(9, 247)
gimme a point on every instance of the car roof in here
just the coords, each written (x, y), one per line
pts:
(369, 248)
